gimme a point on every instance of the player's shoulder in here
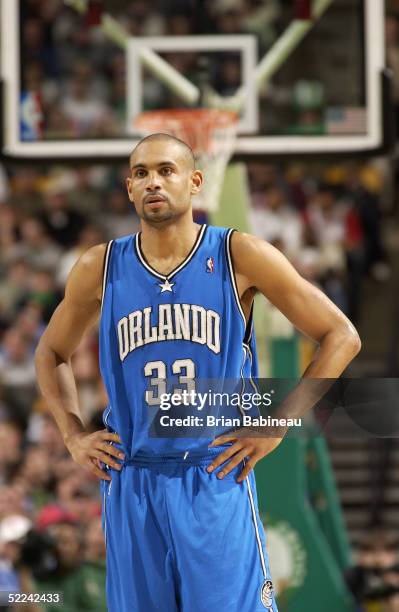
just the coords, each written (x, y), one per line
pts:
(248, 251)
(239, 238)
(92, 260)
(241, 242)
(85, 278)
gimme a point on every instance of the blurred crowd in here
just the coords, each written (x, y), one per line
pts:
(327, 221)
(74, 72)
(374, 577)
(78, 76)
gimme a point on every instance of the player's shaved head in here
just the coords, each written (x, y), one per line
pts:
(162, 179)
(160, 137)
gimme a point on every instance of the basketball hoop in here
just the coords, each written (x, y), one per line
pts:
(210, 133)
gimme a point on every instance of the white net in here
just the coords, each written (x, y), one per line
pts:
(210, 133)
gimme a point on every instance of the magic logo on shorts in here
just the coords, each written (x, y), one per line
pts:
(266, 595)
(175, 322)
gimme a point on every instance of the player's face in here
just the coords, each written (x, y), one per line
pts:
(162, 181)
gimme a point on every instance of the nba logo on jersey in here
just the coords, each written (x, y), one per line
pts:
(210, 265)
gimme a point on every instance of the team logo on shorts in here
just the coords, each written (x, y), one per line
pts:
(266, 595)
(210, 265)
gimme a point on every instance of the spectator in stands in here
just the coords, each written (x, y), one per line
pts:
(88, 237)
(12, 531)
(14, 288)
(297, 186)
(338, 233)
(87, 195)
(262, 176)
(25, 190)
(29, 322)
(11, 439)
(50, 439)
(37, 46)
(94, 541)
(57, 124)
(36, 246)
(179, 25)
(33, 77)
(17, 370)
(81, 581)
(67, 577)
(117, 70)
(88, 115)
(230, 16)
(79, 497)
(118, 103)
(36, 476)
(95, 559)
(97, 83)
(77, 40)
(85, 367)
(274, 220)
(374, 579)
(44, 293)
(35, 82)
(118, 219)
(9, 234)
(13, 500)
(142, 20)
(63, 223)
(261, 19)
(326, 217)
(364, 191)
(229, 78)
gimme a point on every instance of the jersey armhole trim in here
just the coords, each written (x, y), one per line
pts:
(249, 327)
(105, 270)
(233, 278)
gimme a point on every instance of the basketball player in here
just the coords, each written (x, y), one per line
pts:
(180, 518)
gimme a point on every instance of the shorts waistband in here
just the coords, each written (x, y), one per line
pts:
(186, 458)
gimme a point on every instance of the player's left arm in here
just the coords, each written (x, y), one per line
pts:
(260, 266)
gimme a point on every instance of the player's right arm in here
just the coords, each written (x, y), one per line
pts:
(75, 315)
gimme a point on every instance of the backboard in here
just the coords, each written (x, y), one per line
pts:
(74, 75)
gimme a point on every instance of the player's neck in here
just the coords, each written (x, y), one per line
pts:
(176, 238)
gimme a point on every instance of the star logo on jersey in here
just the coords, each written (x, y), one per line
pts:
(166, 286)
(210, 265)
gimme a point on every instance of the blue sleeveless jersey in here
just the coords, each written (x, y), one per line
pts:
(183, 327)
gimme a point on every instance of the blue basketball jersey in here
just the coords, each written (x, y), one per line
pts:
(160, 330)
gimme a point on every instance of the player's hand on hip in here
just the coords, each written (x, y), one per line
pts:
(88, 449)
(245, 449)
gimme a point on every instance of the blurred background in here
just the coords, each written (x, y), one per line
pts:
(330, 504)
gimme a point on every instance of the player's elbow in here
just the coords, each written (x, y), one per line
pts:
(351, 340)
(356, 344)
(40, 352)
(43, 352)
(344, 338)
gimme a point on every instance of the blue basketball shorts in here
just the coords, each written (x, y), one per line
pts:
(178, 539)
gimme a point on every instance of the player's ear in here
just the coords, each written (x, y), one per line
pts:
(129, 188)
(196, 181)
